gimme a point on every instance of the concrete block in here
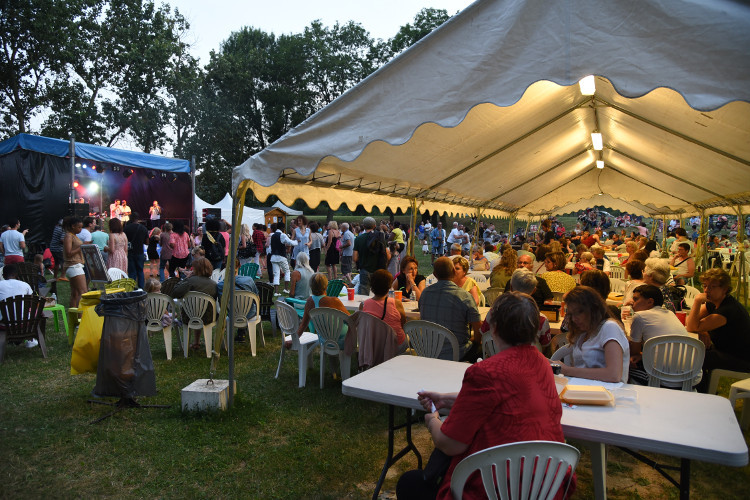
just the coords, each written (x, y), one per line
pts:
(202, 396)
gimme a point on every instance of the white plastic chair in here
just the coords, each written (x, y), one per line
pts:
(329, 323)
(741, 390)
(243, 304)
(523, 470)
(194, 305)
(304, 345)
(218, 274)
(482, 281)
(157, 304)
(427, 338)
(115, 273)
(564, 354)
(692, 292)
(617, 285)
(673, 361)
(430, 280)
(617, 272)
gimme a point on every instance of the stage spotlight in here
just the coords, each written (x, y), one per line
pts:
(150, 174)
(115, 169)
(78, 165)
(99, 168)
(163, 175)
(75, 184)
(174, 177)
(127, 172)
(84, 165)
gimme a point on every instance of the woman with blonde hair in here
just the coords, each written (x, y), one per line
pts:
(504, 270)
(246, 239)
(461, 267)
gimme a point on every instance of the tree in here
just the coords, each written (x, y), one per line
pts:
(115, 85)
(425, 22)
(37, 39)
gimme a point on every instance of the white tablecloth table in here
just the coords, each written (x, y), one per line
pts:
(687, 425)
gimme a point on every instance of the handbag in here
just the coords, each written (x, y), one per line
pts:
(248, 251)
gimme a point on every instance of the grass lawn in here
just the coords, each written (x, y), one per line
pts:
(277, 441)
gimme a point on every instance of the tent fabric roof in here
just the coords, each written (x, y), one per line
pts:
(485, 113)
(61, 148)
(289, 211)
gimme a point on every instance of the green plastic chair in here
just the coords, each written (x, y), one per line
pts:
(249, 269)
(334, 288)
(298, 304)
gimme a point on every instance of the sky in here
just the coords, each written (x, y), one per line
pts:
(212, 21)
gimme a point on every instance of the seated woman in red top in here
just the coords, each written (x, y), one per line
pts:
(508, 397)
(386, 308)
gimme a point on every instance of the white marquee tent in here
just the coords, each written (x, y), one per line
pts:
(486, 113)
(250, 216)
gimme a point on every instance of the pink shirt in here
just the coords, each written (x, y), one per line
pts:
(180, 243)
(392, 316)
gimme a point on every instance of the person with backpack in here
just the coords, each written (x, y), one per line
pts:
(370, 253)
(213, 243)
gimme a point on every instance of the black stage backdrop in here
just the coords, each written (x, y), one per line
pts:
(35, 187)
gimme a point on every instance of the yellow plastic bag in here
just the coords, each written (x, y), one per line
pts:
(85, 355)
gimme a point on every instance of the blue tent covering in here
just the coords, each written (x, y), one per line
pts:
(60, 147)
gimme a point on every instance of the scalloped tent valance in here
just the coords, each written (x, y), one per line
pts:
(485, 113)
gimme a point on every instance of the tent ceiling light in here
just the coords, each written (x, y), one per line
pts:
(587, 85)
(596, 138)
(127, 172)
(599, 163)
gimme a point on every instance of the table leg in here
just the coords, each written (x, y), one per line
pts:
(598, 469)
(684, 479)
(391, 459)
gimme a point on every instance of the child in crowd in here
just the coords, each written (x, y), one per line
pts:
(153, 285)
(186, 272)
(425, 247)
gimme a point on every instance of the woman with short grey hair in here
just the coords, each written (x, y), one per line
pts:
(657, 273)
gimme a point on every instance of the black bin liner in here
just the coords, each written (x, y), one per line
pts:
(125, 369)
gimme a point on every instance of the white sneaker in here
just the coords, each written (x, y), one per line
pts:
(276, 294)
(30, 344)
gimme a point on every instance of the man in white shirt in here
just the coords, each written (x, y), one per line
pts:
(455, 235)
(347, 251)
(124, 212)
(13, 243)
(114, 210)
(279, 242)
(650, 320)
(10, 285)
(85, 234)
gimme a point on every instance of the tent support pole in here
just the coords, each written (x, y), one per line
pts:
(194, 217)
(476, 228)
(664, 233)
(511, 226)
(740, 259)
(701, 244)
(413, 227)
(72, 151)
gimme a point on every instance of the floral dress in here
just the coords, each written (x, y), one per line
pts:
(118, 251)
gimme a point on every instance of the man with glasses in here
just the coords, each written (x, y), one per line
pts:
(542, 291)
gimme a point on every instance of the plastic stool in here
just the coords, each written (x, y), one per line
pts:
(58, 312)
(741, 390)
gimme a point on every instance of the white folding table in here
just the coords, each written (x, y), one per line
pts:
(686, 425)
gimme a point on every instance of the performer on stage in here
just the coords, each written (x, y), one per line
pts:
(155, 212)
(124, 212)
(115, 210)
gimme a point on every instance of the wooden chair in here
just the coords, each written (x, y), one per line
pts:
(22, 319)
(527, 469)
(31, 274)
(427, 338)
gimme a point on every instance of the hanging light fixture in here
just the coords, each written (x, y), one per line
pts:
(99, 168)
(127, 172)
(587, 85)
(150, 174)
(596, 139)
(599, 163)
(174, 177)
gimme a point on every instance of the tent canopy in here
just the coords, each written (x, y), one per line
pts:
(486, 114)
(286, 209)
(61, 148)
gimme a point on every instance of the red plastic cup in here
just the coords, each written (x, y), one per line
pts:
(350, 293)
(682, 316)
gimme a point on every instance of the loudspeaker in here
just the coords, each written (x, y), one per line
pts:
(211, 213)
(78, 209)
